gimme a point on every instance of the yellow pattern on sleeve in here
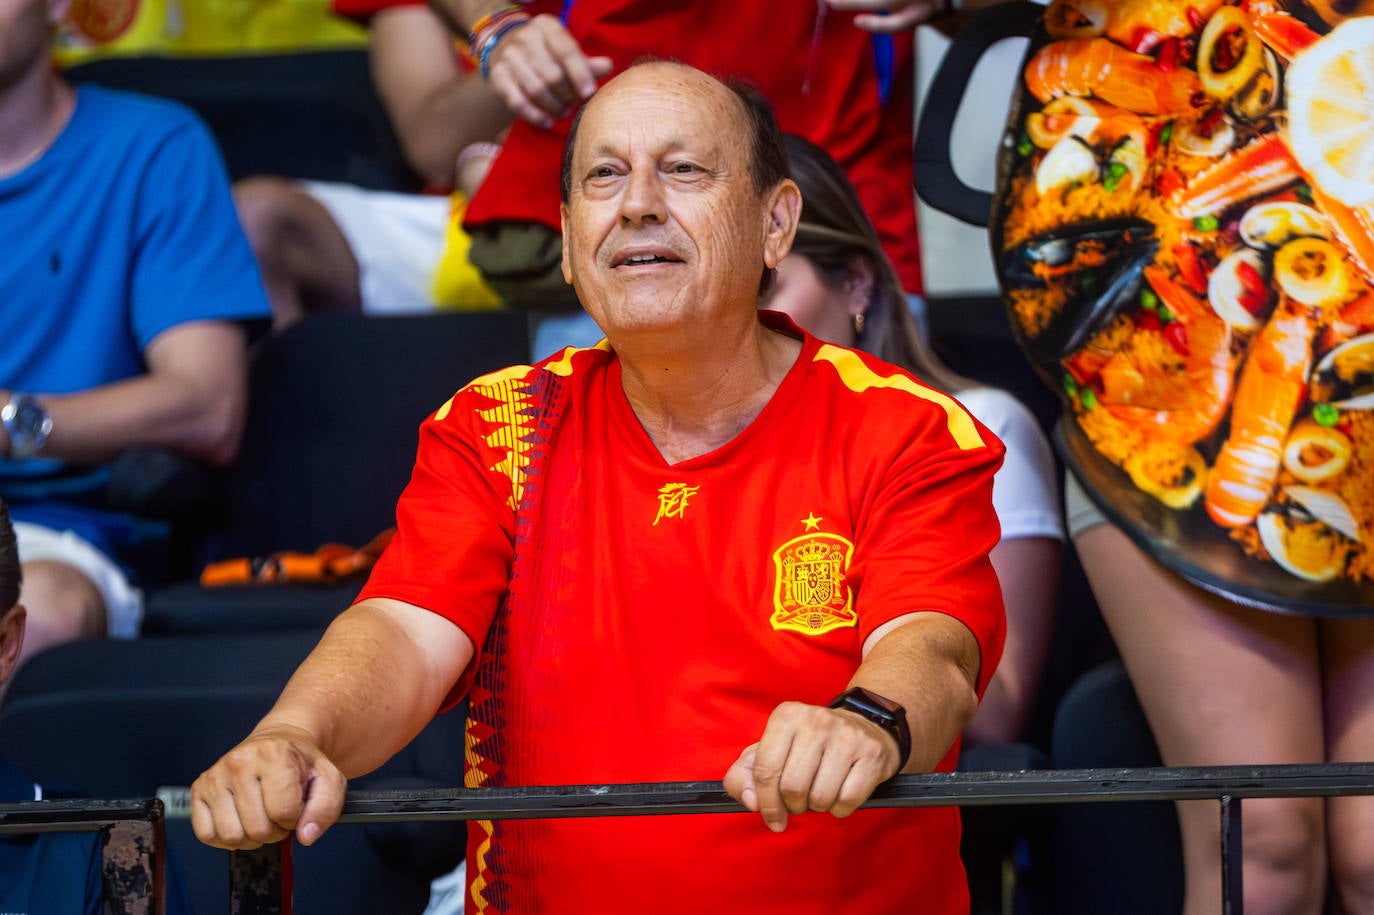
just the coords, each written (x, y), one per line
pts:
(858, 377)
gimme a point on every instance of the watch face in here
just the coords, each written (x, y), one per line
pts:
(27, 424)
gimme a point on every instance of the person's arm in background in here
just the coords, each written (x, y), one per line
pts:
(436, 108)
(1028, 568)
(538, 68)
(1027, 558)
(888, 16)
(815, 758)
(192, 399)
(380, 672)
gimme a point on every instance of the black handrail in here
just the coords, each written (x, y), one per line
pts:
(1226, 784)
(133, 844)
(260, 879)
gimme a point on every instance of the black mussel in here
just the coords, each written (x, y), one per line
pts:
(1344, 377)
(1096, 269)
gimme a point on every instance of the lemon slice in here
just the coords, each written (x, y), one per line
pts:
(1331, 112)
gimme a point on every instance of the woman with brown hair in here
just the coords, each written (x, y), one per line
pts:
(837, 284)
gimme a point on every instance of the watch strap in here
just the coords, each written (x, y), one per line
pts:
(888, 715)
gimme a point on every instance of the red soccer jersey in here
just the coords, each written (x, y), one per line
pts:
(638, 621)
(844, 89)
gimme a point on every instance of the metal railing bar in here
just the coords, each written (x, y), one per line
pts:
(1232, 885)
(79, 815)
(967, 789)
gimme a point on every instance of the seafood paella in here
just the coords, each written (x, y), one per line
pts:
(1185, 237)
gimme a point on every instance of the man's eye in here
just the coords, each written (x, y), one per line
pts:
(602, 171)
(683, 168)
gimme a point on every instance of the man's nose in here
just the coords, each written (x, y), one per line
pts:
(643, 199)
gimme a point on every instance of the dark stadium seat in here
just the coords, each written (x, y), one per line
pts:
(122, 719)
(1111, 857)
(334, 410)
(307, 115)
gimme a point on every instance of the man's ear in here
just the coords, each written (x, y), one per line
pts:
(563, 220)
(784, 212)
(11, 639)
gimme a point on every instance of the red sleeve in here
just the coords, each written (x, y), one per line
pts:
(453, 547)
(927, 533)
(362, 10)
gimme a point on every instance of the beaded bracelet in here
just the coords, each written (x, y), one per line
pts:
(490, 44)
(488, 25)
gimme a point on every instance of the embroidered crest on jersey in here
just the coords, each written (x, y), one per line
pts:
(810, 595)
(672, 500)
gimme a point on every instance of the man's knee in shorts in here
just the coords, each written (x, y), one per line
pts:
(63, 605)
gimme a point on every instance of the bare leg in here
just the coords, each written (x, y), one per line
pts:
(63, 604)
(1221, 685)
(306, 263)
(1348, 653)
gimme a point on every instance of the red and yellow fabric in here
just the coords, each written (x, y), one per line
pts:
(102, 28)
(638, 620)
(842, 88)
(458, 285)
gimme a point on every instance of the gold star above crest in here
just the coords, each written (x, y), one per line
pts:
(811, 521)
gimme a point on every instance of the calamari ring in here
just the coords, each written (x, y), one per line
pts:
(1314, 452)
(1172, 473)
(1311, 271)
(1229, 53)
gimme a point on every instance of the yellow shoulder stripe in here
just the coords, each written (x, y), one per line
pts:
(858, 377)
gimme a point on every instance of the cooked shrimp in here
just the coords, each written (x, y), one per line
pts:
(1097, 67)
(1271, 388)
(1172, 385)
(1261, 167)
(1126, 21)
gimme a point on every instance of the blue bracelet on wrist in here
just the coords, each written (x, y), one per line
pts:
(490, 44)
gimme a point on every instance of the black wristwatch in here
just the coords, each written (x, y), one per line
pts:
(27, 424)
(883, 712)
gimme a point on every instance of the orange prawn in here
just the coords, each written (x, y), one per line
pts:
(1173, 390)
(1098, 67)
(1261, 167)
(1271, 388)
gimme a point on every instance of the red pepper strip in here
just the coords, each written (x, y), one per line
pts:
(1169, 182)
(1177, 336)
(1360, 312)
(1254, 296)
(1190, 268)
(1209, 122)
(1195, 18)
(1144, 39)
(1167, 60)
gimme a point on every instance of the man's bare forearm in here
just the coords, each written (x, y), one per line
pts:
(369, 687)
(929, 665)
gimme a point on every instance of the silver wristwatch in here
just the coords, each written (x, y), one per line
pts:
(27, 423)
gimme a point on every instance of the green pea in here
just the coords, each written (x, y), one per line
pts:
(1166, 133)
(1024, 146)
(1165, 314)
(1205, 223)
(1087, 398)
(1303, 192)
(1325, 414)
(1149, 299)
(1070, 384)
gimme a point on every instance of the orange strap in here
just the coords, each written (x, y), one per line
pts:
(330, 563)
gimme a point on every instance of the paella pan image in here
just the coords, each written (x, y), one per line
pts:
(1184, 234)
